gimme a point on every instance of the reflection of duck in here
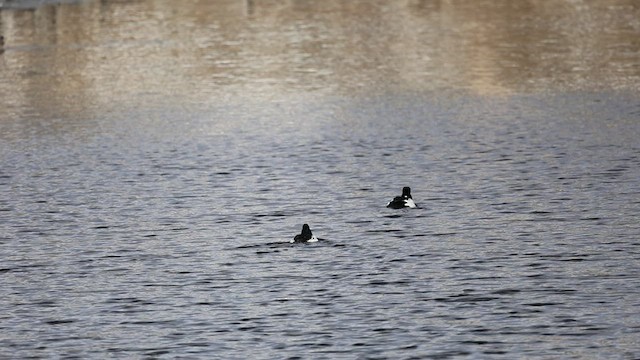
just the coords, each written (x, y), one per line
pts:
(1, 43)
(305, 235)
(402, 201)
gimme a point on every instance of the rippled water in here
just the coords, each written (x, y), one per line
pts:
(156, 158)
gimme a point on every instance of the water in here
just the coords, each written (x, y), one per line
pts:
(156, 159)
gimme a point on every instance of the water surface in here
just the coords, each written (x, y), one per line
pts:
(157, 157)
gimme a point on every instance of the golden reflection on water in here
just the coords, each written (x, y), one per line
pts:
(102, 54)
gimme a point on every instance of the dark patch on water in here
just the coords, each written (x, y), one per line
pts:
(59, 321)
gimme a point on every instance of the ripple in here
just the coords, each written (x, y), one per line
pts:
(161, 232)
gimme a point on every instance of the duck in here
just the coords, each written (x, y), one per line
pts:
(304, 236)
(403, 201)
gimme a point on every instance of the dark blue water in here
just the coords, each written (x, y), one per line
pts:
(155, 226)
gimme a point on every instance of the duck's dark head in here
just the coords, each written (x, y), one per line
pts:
(306, 231)
(406, 192)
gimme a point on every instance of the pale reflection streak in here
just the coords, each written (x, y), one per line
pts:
(102, 54)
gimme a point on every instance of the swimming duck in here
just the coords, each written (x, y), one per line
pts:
(403, 201)
(305, 235)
